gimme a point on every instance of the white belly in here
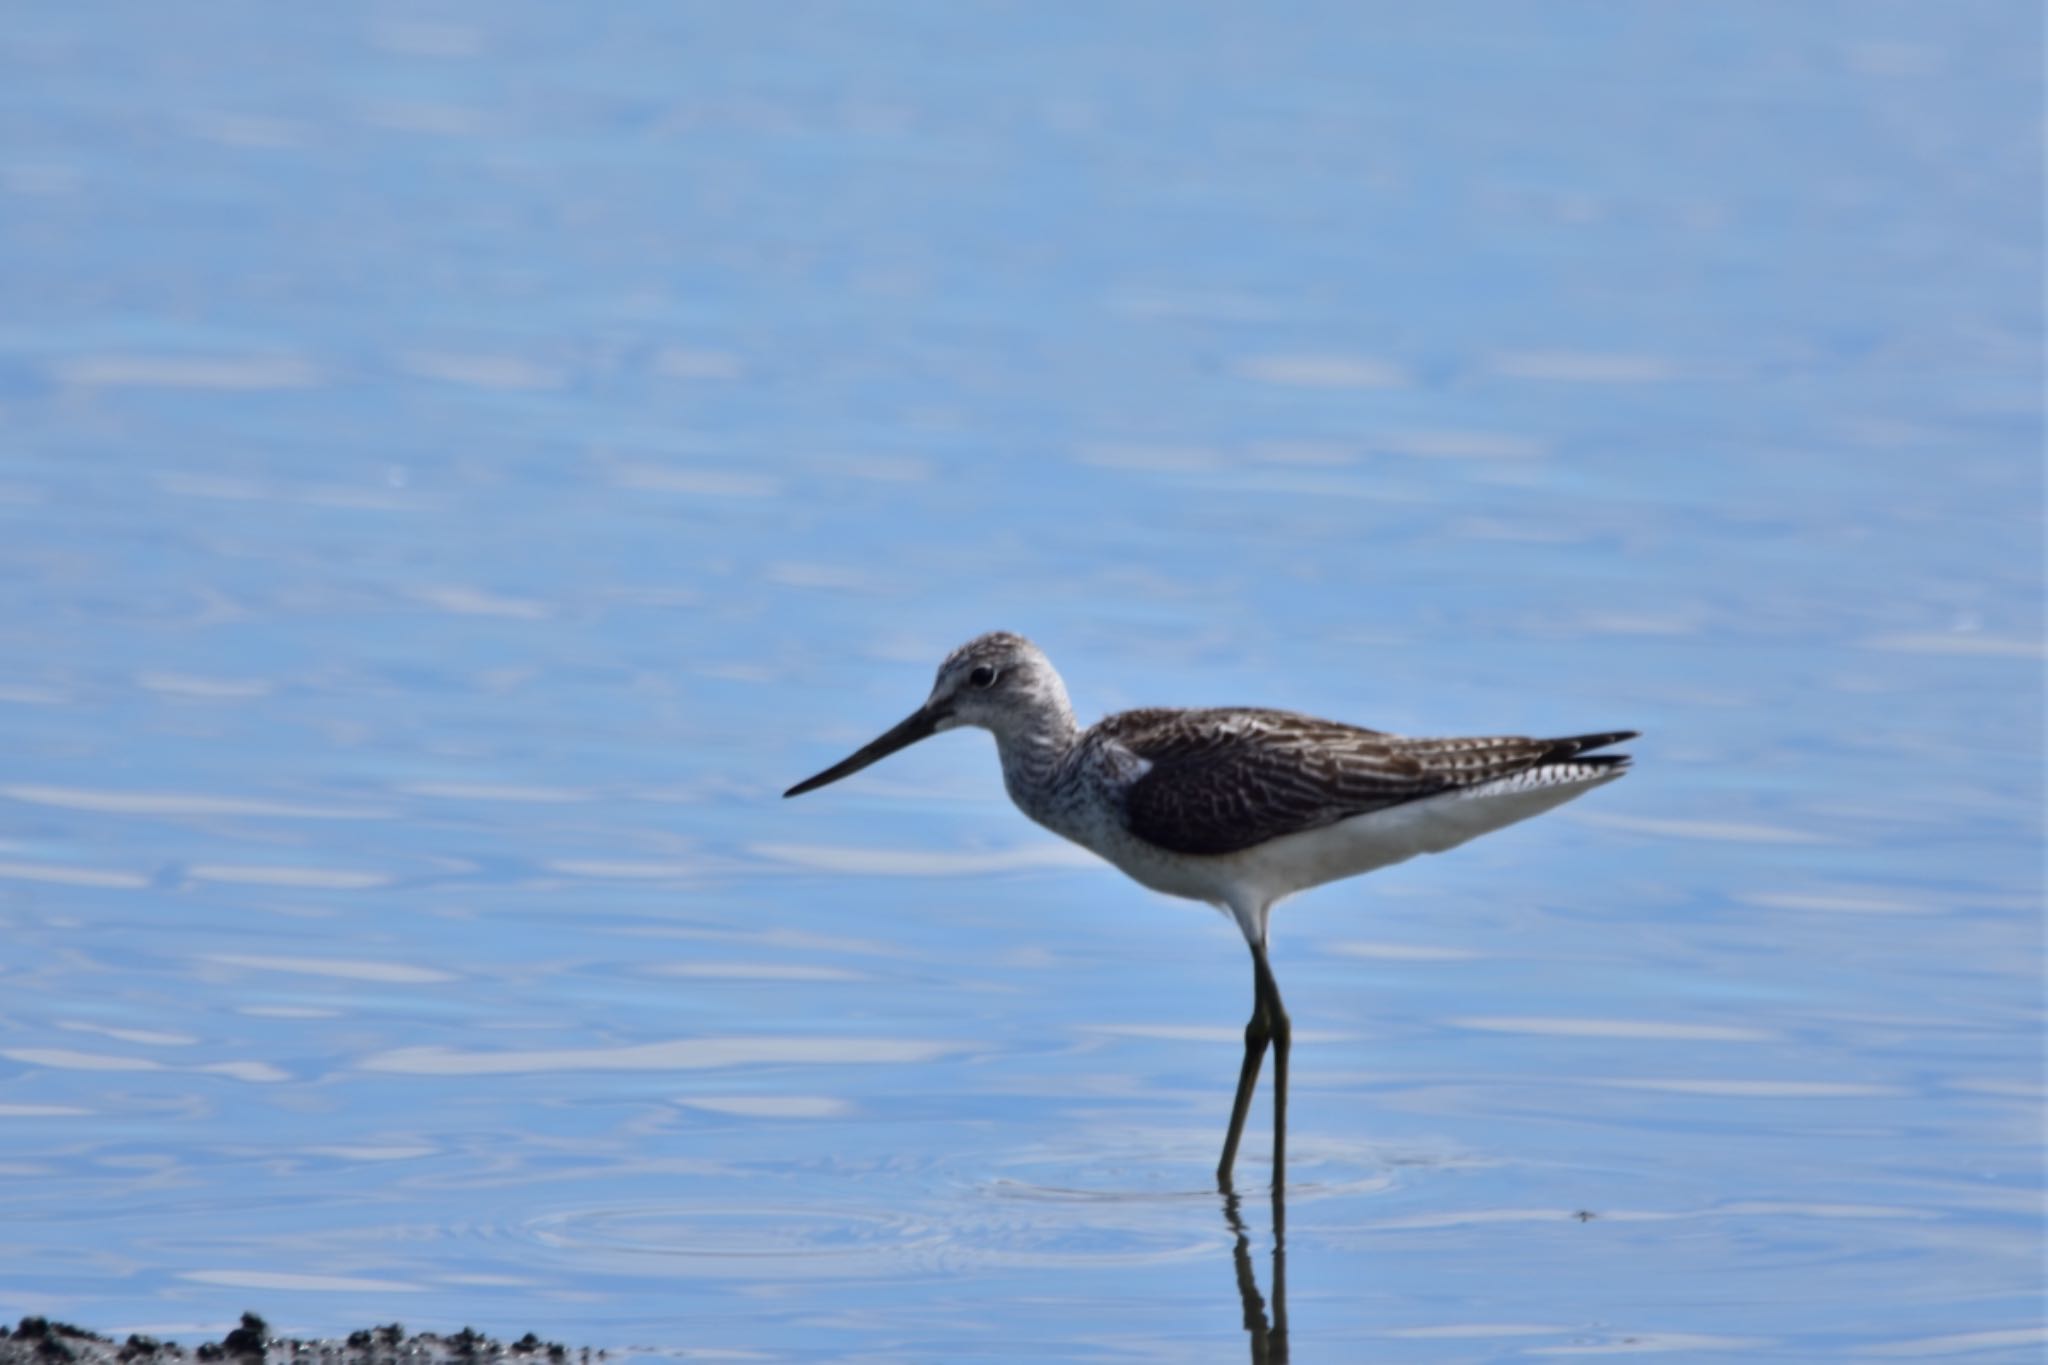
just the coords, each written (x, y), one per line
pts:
(1248, 883)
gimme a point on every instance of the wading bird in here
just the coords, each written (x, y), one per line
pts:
(1237, 806)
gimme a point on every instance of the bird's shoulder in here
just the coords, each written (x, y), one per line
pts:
(1219, 779)
(1250, 734)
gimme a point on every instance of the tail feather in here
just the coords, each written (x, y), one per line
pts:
(1573, 750)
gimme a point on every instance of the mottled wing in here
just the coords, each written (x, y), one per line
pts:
(1225, 780)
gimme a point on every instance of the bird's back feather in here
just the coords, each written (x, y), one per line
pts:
(1223, 780)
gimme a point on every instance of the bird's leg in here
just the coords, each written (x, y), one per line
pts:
(1281, 1030)
(1257, 1034)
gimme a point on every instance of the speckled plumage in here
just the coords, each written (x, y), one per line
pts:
(1241, 806)
(1237, 806)
(1225, 779)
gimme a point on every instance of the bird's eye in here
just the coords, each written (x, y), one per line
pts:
(984, 675)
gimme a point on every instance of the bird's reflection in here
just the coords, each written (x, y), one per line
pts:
(1265, 1323)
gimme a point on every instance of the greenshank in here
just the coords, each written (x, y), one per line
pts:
(1236, 806)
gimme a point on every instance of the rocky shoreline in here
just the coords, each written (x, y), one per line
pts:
(40, 1341)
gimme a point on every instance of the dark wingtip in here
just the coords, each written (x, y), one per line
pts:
(1579, 744)
(1574, 750)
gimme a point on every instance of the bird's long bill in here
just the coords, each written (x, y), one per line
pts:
(919, 724)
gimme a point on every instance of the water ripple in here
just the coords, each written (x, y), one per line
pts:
(683, 1054)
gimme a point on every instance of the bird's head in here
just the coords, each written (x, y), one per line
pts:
(999, 681)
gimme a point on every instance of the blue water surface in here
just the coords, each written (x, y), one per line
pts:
(461, 461)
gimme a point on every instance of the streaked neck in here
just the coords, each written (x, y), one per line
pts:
(1033, 746)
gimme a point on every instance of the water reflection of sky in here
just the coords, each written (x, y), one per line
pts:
(460, 467)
